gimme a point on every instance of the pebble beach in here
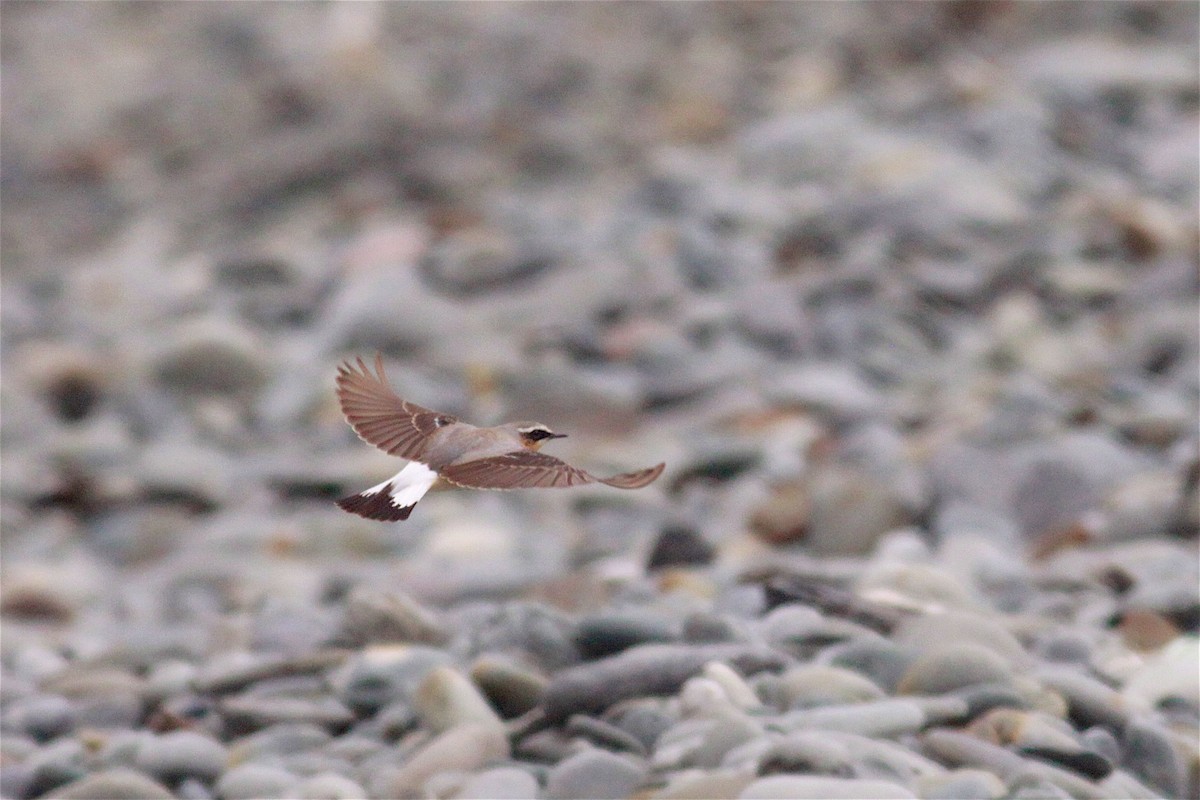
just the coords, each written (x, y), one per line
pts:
(906, 295)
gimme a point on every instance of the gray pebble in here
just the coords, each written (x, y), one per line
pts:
(1151, 754)
(251, 781)
(645, 720)
(381, 675)
(603, 635)
(603, 734)
(962, 784)
(820, 787)
(983, 697)
(280, 740)
(1066, 645)
(501, 783)
(926, 632)
(810, 752)
(60, 762)
(248, 713)
(595, 774)
(809, 685)
(881, 660)
(644, 670)
(954, 666)
(212, 359)
(375, 617)
(1090, 702)
(41, 716)
(707, 628)
(728, 731)
(877, 718)
(192, 789)
(114, 784)
(510, 687)
(182, 754)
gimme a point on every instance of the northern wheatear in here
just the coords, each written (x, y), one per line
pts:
(441, 446)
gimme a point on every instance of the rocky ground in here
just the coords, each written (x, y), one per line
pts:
(904, 294)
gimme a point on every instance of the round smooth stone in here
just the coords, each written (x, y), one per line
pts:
(446, 699)
(182, 754)
(501, 783)
(813, 787)
(114, 784)
(925, 632)
(954, 666)
(41, 716)
(811, 685)
(328, 786)
(463, 749)
(962, 784)
(605, 634)
(595, 774)
(250, 781)
(511, 688)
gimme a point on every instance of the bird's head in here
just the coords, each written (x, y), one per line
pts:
(535, 434)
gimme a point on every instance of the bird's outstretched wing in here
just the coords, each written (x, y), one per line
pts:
(527, 469)
(380, 417)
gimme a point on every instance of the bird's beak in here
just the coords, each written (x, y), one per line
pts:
(557, 436)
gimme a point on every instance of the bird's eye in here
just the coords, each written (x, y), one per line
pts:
(538, 434)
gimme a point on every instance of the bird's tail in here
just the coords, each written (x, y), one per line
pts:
(394, 499)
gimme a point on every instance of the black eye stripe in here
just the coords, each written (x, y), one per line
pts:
(538, 434)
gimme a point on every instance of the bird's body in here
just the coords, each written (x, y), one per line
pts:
(442, 446)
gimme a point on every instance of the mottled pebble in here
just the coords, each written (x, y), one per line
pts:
(812, 787)
(250, 781)
(182, 754)
(595, 774)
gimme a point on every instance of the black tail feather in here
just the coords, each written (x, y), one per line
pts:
(377, 506)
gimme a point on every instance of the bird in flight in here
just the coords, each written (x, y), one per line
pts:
(442, 446)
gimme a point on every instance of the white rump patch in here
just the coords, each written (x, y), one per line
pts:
(408, 485)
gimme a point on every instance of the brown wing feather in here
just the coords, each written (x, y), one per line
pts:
(380, 417)
(526, 469)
